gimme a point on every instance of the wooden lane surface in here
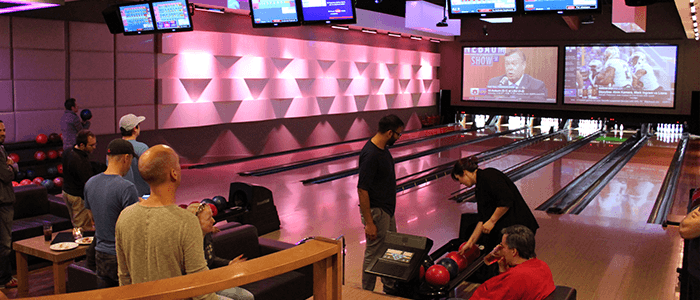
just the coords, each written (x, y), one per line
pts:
(312, 252)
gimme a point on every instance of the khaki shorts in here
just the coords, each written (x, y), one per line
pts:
(80, 216)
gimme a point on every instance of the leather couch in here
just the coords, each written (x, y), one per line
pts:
(33, 207)
(233, 239)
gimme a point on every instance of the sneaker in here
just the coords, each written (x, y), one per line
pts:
(11, 284)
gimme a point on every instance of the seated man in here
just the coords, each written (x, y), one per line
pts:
(156, 239)
(523, 276)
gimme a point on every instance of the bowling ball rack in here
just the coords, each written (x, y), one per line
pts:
(421, 290)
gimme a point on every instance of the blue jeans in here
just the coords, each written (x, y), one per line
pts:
(7, 212)
(106, 270)
(384, 223)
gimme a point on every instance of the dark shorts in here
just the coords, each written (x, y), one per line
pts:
(106, 269)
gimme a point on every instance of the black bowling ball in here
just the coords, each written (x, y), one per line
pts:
(85, 114)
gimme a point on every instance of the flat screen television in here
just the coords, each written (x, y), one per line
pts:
(172, 15)
(136, 18)
(620, 75)
(328, 12)
(485, 8)
(510, 74)
(560, 6)
(273, 13)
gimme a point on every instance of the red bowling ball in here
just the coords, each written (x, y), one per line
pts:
(460, 260)
(59, 168)
(437, 275)
(14, 157)
(58, 182)
(42, 139)
(25, 182)
(52, 154)
(38, 180)
(471, 254)
(40, 155)
(15, 183)
(214, 211)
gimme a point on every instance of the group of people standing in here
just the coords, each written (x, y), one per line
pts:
(503, 218)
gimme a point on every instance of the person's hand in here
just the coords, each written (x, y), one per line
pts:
(215, 230)
(238, 259)
(468, 245)
(10, 161)
(487, 227)
(371, 231)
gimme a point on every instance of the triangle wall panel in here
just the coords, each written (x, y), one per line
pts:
(343, 69)
(171, 91)
(345, 104)
(278, 88)
(227, 110)
(195, 87)
(303, 107)
(302, 68)
(225, 144)
(324, 104)
(256, 86)
(254, 110)
(376, 102)
(225, 89)
(280, 107)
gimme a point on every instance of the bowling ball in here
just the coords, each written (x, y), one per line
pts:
(47, 183)
(41, 139)
(85, 114)
(39, 155)
(437, 275)
(208, 201)
(183, 206)
(38, 180)
(52, 154)
(14, 157)
(15, 183)
(20, 175)
(471, 254)
(214, 210)
(59, 168)
(54, 138)
(52, 171)
(30, 173)
(60, 152)
(220, 202)
(58, 182)
(25, 182)
(451, 266)
(460, 260)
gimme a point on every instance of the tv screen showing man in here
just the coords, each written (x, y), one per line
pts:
(510, 74)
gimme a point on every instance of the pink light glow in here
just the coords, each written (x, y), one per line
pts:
(280, 139)
(302, 107)
(24, 5)
(323, 133)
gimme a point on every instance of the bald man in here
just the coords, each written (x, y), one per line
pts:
(155, 238)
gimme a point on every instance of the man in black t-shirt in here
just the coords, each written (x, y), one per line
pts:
(376, 189)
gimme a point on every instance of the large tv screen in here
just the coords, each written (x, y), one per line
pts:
(511, 74)
(328, 12)
(172, 15)
(483, 8)
(560, 6)
(271, 13)
(136, 18)
(621, 75)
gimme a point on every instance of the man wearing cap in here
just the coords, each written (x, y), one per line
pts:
(71, 123)
(106, 195)
(130, 129)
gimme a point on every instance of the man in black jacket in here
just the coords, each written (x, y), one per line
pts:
(77, 169)
(7, 199)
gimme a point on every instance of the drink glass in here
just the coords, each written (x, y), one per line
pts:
(494, 255)
(48, 230)
(77, 233)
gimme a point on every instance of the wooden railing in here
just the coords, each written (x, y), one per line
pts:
(325, 255)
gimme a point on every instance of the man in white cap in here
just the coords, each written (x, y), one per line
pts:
(130, 129)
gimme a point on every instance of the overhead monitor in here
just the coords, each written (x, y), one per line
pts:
(560, 6)
(172, 16)
(273, 13)
(510, 74)
(328, 12)
(136, 18)
(485, 8)
(620, 75)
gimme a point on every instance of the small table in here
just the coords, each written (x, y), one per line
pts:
(36, 246)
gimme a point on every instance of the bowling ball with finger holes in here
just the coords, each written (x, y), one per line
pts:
(460, 260)
(58, 182)
(38, 180)
(471, 254)
(14, 157)
(40, 155)
(52, 154)
(47, 183)
(437, 275)
(214, 210)
(85, 114)
(41, 139)
(451, 266)
(59, 168)
(25, 182)
(220, 202)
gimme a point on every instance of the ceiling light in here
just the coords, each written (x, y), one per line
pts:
(695, 24)
(692, 9)
(435, 41)
(370, 31)
(417, 38)
(694, 17)
(695, 29)
(394, 34)
(340, 27)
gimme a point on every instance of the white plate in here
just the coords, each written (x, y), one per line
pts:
(63, 246)
(84, 241)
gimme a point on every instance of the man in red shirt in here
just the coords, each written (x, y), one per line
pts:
(523, 276)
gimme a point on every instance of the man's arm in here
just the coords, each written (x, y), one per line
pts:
(122, 269)
(370, 228)
(193, 244)
(7, 172)
(690, 226)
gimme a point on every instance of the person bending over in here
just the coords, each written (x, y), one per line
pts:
(522, 276)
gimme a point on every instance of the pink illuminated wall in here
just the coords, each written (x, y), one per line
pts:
(208, 78)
